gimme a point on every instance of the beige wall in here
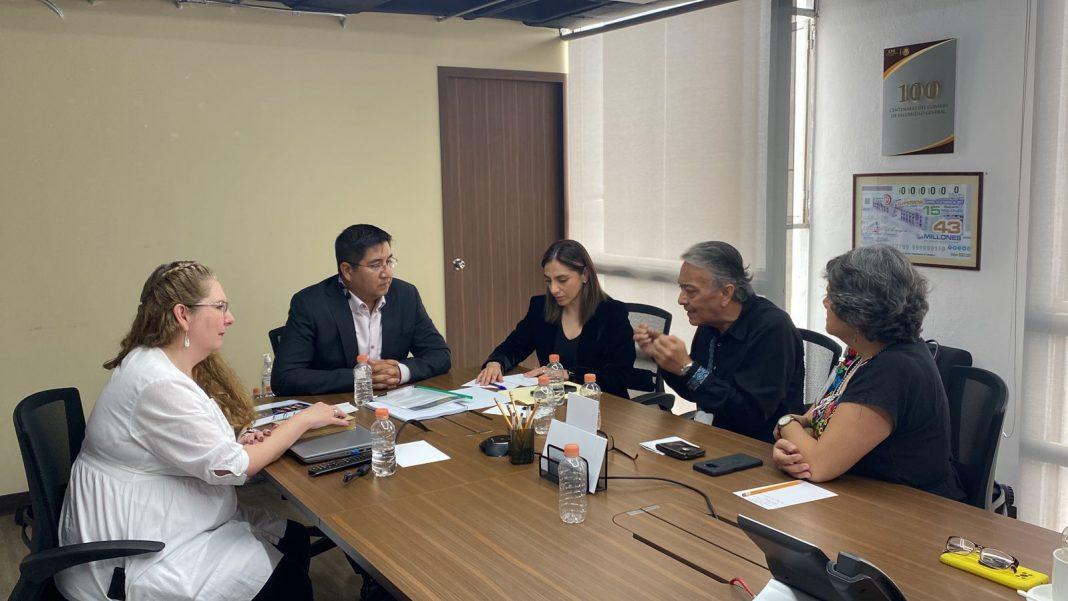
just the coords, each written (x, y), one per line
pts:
(133, 133)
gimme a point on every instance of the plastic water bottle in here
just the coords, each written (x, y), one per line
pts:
(383, 445)
(591, 390)
(362, 387)
(544, 394)
(573, 486)
(265, 377)
(557, 376)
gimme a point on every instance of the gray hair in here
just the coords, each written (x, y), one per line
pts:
(876, 290)
(724, 262)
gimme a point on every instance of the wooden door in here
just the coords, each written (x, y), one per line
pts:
(502, 189)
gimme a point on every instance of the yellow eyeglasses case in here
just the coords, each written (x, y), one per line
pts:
(1022, 579)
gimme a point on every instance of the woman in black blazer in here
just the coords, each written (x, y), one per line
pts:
(574, 319)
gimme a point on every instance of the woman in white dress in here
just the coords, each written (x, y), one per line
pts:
(160, 461)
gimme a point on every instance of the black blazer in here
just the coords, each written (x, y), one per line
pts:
(318, 348)
(606, 347)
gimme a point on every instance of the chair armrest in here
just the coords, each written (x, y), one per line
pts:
(39, 566)
(666, 400)
(24, 519)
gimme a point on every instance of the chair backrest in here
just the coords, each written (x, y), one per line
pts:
(821, 356)
(50, 427)
(646, 374)
(977, 401)
(946, 358)
(276, 338)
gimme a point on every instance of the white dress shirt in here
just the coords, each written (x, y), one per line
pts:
(368, 323)
(160, 462)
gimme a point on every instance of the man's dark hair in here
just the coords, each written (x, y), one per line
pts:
(352, 243)
(724, 262)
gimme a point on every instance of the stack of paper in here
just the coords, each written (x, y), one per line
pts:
(415, 403)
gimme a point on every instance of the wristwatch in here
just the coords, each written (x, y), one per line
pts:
(686, 369)
(783, 422)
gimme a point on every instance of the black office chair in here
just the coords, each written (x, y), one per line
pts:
(275, 336)
(977, 401)
(946, 358)
(821, 356)
(647, 383)
(50, 427)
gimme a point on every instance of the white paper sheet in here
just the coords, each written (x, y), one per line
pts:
(481, 398)
(650, 445)
(510, 382)
(591, 447)
(582, 412)
(798, 491)
(418, 453)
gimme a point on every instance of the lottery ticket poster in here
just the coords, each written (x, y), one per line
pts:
(935, 219)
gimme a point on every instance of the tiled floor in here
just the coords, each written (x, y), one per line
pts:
(333, 577)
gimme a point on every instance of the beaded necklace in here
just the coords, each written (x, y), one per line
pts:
(821, 413)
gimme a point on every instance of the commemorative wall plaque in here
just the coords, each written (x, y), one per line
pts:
(919, 85)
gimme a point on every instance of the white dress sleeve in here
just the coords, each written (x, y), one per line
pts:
(186, 431)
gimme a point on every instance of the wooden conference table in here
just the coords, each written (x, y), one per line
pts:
(477, 527)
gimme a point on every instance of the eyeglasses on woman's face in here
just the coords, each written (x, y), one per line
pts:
(222, 306)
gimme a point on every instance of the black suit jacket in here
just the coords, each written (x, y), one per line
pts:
(606, 347)
(319, 347)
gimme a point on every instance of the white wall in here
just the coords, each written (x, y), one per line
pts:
(971, 310)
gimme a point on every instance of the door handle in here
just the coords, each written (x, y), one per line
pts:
(458, 264)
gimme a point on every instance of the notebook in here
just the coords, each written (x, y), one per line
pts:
(333, 446)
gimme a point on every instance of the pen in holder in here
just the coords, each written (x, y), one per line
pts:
(520, 432)
(521, 445)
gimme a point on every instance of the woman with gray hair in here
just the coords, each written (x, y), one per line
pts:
(884, 414)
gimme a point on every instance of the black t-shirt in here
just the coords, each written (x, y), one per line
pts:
(903, 381)
(567, 348)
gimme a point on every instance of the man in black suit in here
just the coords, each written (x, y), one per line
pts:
(362, 310)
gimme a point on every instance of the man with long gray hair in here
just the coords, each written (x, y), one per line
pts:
(745, 367)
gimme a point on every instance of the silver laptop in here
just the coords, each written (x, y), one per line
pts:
(333, 446)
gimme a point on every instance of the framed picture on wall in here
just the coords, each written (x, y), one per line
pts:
(934, 218)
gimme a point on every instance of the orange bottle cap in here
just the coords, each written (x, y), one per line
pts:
(382, 413)
(554, 358)
(361, 358)
(543, 380)
(571, 450)
(588, 378)
(255, 391)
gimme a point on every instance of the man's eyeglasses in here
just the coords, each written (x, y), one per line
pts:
(991, 558)
(378, 266)
(222, 306)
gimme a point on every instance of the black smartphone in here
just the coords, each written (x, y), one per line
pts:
(727, 465)
(680, 450)
(570, 387)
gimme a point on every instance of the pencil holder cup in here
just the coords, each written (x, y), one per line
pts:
(521, 445)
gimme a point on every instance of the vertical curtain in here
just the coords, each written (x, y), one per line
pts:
(1043, 495)
(666, 146)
